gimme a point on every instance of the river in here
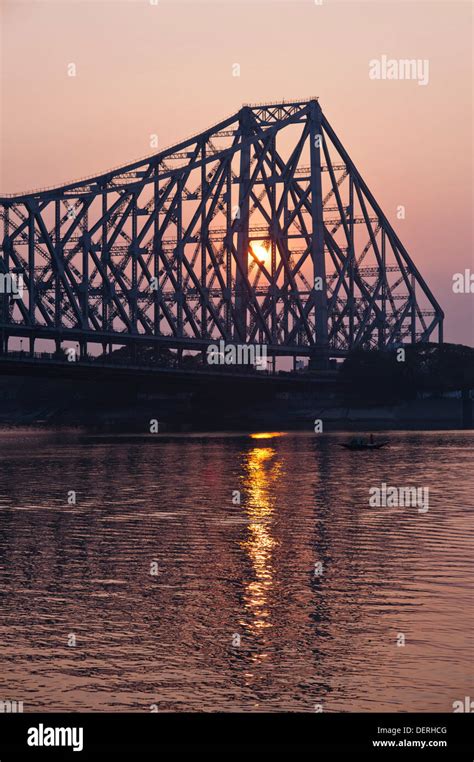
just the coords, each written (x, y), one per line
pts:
(234, 572)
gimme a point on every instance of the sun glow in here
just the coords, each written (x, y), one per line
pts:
(261, 253)
(266, 435)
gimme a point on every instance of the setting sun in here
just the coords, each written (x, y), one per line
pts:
(260, 251)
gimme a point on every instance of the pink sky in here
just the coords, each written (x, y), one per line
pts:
(167, 69)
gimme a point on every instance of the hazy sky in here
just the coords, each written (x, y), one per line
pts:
(167, 69)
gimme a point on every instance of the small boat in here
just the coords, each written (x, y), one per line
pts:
(363, 444)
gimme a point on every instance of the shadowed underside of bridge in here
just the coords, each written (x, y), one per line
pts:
(259, 230)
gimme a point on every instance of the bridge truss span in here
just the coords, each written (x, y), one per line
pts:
(258, 230)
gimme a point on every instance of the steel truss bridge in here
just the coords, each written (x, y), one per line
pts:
(167, 251)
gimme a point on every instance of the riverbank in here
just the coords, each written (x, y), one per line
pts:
(104, 406)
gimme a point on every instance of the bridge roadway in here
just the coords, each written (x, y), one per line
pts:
(90, 369)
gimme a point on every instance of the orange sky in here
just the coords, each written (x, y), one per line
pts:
(167, 69)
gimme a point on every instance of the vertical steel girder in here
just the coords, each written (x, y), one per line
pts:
(163, 251)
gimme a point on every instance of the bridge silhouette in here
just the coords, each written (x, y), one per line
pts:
(258, 230)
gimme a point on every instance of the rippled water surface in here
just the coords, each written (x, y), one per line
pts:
(227, 571)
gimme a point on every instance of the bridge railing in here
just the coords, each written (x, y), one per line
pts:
(88, 359)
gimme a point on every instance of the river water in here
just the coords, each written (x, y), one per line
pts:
(204, 572)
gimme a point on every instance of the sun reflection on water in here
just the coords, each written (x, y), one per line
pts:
(262, 473)
(267, 435)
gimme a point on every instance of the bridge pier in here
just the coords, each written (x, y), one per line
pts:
(319, 360)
